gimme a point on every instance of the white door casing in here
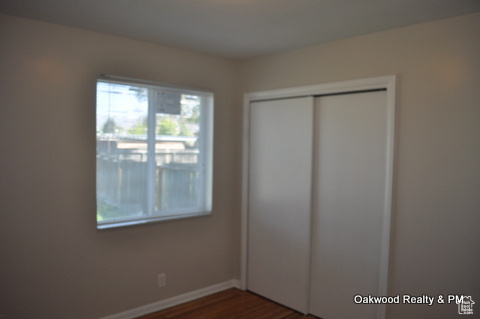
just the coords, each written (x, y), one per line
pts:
(315, 189)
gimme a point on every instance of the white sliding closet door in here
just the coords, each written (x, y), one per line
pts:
(349, 203)
(279, 199)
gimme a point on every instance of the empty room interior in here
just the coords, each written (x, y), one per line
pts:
(338, 153)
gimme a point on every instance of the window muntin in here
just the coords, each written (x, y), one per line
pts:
(154, 152)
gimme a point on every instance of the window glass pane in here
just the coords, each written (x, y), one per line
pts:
(177, 156)
(121, 151)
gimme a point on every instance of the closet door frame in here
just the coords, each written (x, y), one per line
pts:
(385, 82)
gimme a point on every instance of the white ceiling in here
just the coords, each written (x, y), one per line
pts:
(238, 28)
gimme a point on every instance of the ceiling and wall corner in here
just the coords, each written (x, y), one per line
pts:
(238, 29)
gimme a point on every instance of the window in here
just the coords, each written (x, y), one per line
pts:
(154, 152)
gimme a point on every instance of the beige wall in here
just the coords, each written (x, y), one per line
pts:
(436, 218)
(55, 264)
(53, 261)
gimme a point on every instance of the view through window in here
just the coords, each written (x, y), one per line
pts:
(154, 149)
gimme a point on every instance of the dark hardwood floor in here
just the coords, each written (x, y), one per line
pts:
(229, 304)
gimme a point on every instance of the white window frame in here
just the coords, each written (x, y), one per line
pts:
(205, 157)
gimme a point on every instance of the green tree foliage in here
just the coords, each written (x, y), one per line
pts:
(190, 113)
(109, 126)
(139, 128)
(140, 93)
(167, 127)
(184, 131)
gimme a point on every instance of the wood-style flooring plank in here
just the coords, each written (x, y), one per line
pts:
(229, 304)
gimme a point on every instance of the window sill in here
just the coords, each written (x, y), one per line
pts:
(157, 219)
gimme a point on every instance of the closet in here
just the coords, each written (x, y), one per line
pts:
(317, 198)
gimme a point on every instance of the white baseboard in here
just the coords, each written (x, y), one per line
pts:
(174, 301)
